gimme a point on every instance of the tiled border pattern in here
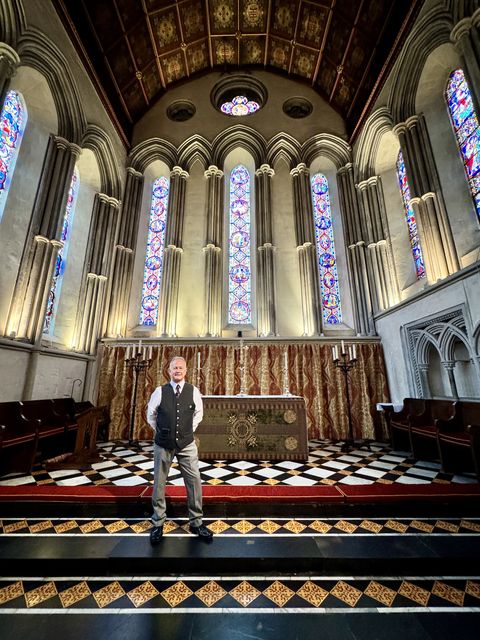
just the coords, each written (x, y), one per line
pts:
(238, 593)
(327, 465)
(234, 526)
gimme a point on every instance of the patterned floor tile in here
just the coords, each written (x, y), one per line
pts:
(210, 593)
(279, 593)
(74, 594)
(381, 593)
(346, 593)
(108, 594)
(176, 594)
(245, 593)
(142, 593)
(40, 594)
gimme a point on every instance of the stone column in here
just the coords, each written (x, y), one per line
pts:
(356, 230)
(214, 215)
(466, 37)
(123, 254)
(98, 264)
(167, 312)
(266, 293)
(307, 254)
(29, 302)
(381, 266)
(425, 385)
(436, 239)
(450, 366)
(9, 61)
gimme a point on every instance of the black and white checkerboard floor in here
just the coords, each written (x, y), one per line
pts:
(130, 465)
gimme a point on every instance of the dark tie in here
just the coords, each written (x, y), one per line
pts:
(177, 390)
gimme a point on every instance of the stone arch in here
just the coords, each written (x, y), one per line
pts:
(195, 148)
(286, 147)
(432, 30)
(98, 141)
(378, 123)
(239, 136)
(150, 150)
(334, 148)
(39, 52)
(12, 21)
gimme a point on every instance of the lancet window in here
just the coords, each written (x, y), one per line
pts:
(410, 217)
(153, 270)
(327, 263)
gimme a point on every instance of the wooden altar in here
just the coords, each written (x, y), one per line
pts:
(253, 428)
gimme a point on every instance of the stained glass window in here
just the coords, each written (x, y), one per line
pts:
(152, 275)
(12, 124)
(467, 130)
(410, 216)
(327, 264)
(239, 264)
(240, 106)
(59, 270)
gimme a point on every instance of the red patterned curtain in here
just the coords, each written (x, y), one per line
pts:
(311, 374)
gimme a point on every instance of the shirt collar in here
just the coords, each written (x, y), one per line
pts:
(174, 385)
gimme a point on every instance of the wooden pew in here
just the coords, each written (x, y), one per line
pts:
(399, 422)
(459, 439)
(423, 427)
(18, 439)
(85, 453)
(53, 426)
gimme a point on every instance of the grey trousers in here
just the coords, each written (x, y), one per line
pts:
(187, 459)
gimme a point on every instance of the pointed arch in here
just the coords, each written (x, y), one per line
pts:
(376, 125)
(243, 137)
(150, 150)
(332, 147)
(37, 51)
(195, 148)
(98, 141)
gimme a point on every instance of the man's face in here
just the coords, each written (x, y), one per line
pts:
(178, 370)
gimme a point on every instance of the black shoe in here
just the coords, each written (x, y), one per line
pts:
(202, 532)
(155, 534)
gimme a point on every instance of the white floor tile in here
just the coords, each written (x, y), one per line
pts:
(241, 464)
(114, 473)
(14, 482)
(300, 481)
(333, 464)
(371, 473)
(411, 480)
(248, 481)
(217, 472)
(269, 472)
(319, 472)
(137, 458)
(130, 481)
(74, 482)
(355, 480)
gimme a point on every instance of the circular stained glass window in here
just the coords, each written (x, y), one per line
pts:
(240, 106)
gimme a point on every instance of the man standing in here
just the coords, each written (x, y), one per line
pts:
(174, 411)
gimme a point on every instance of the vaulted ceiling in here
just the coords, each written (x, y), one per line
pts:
(136, 50)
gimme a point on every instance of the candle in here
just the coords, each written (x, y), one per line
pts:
(198, 361)
(128, 352)
(343, 347)
(335, 352)
(354, 350)
(149, 353)
(285, 360)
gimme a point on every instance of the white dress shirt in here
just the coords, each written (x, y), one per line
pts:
(156, 399)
